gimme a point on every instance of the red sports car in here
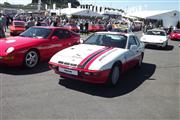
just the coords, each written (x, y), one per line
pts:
(72, 27)
(175, 34)
(34, 45)
(17, 27)
(96, 27)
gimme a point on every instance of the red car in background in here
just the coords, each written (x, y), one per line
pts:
(92, 28)
(17, 27)
(72, 27)
(100, 27)
(34, 45)
(96, 27)
(175, 34)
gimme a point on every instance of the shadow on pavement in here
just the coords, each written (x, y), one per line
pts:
(131, 80)
(41, 67)
(152, 47)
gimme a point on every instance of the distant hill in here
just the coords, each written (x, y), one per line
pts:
(59, 3)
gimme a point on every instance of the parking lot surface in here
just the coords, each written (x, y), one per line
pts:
(151, 92)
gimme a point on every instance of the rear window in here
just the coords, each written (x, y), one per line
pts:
(19, 24)
(176, 31)
(160, 33)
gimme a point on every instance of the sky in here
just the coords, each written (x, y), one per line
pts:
(123, 4)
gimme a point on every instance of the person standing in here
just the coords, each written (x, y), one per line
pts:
(86, 27)
(2, 34)
(4, 22)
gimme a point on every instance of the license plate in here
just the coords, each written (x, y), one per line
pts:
(68, 71)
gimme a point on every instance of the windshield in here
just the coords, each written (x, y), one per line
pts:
(176, 31)
(36, 33)
(19, 24)
(160, 33)
(109, 40)
(120, 30)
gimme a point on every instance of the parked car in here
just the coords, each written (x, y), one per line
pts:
(175, 34)
(156, 37)
(44, 24)
(17, 27)
(123, 30)
(35, 44)
(96, 27)
(100, 59)
(72, 27)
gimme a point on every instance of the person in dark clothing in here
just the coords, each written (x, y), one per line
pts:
(81, 28)
(7, 22)
(109, 27)
(38, 23)
(86, 28)
(170, 29)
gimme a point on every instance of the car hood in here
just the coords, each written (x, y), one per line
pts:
(17, 42)
(81, 55)
(153, 38)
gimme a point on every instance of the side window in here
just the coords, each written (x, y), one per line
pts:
(66, 34)
(57, 33)
(61, 34)
(132, 41)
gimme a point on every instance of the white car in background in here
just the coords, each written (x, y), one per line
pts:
(100, 59)
(156, 37)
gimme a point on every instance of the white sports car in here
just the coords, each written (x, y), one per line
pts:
(100, 59)
(155, 37)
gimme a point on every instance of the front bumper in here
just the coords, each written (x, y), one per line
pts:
(162, 44)
(91, 76)
(10, 60)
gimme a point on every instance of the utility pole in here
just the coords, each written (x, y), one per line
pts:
(39, 5)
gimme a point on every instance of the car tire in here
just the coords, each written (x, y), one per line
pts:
(114, 76)
(31, 59)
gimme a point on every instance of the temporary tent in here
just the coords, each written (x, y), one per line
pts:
(79, 12)
(169, 17)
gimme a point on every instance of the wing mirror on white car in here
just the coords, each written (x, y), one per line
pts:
(133, 47)
(81, 40)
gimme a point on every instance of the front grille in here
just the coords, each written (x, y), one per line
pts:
(68, 64)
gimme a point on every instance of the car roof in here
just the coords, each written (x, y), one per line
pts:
(18, 21)
(115, 33)
(156, 29)
(49, 27)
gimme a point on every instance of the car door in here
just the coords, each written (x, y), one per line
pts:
(130, 56)
(61, 40)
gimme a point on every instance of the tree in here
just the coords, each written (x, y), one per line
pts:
(6, 4)
(59, 3)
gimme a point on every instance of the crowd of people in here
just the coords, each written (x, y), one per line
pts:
(82, 22)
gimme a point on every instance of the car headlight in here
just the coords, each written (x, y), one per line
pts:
(10, 49)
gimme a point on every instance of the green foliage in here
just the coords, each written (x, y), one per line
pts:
(59, 3)
(6, 4)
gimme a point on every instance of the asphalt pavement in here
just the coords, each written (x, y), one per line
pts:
(149, 93)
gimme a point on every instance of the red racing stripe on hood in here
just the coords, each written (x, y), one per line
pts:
(94, 58)
(89, 56)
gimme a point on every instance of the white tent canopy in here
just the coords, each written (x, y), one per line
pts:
(169, 17)
(79, 12)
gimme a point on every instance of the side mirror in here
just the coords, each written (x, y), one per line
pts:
(81, 40)
(133, 47)
(54, 38)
